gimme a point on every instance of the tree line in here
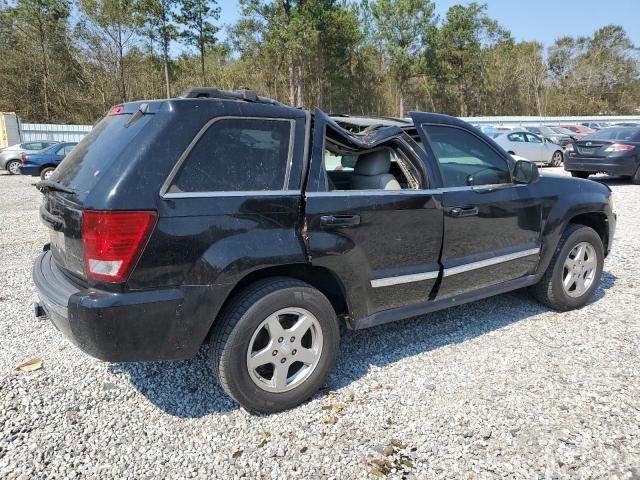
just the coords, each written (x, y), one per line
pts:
(68, 61)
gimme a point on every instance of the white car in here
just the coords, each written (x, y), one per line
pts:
(533, 147)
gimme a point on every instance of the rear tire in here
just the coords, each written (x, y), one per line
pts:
(46, 173)
(580, 174)
(556, 159)
(263, 332)
(13, 167)
(572, 277)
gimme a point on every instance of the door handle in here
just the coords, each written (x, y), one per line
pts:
(466, 211)
(339, 220)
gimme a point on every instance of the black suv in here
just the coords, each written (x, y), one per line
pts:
(228, 219)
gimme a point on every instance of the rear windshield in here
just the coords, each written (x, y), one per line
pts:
(82, 168)
(629, 134)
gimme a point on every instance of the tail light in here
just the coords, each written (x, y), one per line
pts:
(24, 159)
(569, 147)
(619, 147)
(114, 241)
(116, 110)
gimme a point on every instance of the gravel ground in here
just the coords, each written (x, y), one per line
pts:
(502, 388)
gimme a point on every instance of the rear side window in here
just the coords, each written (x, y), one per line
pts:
(237, 154)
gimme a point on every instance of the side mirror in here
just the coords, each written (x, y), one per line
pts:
(525, 172)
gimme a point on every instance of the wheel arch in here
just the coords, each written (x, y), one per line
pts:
(47, 165)
(320, 278)
(597, 221)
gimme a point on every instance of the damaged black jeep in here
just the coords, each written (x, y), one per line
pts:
(228, 219)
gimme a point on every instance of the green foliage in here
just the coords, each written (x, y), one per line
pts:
(375, 57)
(198, 29)
(401, 27)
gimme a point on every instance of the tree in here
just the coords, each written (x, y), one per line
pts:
(454, 55)
(199, 31)
(43, 24)
(111, 21)
(156, 20)
(401, 26)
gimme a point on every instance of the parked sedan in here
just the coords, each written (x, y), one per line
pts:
(595, 125)
(10, 156)
(558, 138)
(531, 146)
(579, 130)
(45, 162)
(614, 150)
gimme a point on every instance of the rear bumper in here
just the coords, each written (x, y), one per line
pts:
(116, 327)
(624, 165)
(33, 170)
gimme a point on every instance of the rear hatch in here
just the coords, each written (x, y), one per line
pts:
(66, 199)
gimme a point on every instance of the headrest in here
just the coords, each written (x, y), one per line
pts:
(373, 163)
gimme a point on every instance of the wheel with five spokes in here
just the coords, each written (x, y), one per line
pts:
(575, 270)
(275, 344)
(556, 159)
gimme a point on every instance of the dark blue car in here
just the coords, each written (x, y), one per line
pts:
(44, 163)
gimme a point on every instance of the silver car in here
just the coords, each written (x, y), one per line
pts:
(532, 147)
(10, 156)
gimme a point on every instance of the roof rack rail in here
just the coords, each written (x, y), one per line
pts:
(241, 94)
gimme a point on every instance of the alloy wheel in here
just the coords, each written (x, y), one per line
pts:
(13, 167)
(285, 350)
(579, 269)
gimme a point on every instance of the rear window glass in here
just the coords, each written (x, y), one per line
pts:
(625, 133)
(237, 154)
(86, 162)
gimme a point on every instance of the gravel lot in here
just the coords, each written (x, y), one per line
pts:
(502, 388)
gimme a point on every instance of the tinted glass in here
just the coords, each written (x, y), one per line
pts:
(342, 163)
(533, 138)
(84, 166)
(516, 137)
(35, 145)
(237, 155)
(629, 134)
(465, 159)
(65, 150)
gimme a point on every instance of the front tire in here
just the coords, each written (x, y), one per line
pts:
(580, 174)
(13, 167)
(574, 273)
(275, 344)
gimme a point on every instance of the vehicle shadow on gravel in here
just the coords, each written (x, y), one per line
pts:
(188, 389)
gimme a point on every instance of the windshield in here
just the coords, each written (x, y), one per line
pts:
(630, 134)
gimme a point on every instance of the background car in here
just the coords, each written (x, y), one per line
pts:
(10, 156)
(626, 124)
(547, 132)
(579, 130)
(531, 146)
(614, 151)
(565, 131)
(45, 162)
(595, 125)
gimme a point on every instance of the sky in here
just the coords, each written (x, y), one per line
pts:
(540, 20)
